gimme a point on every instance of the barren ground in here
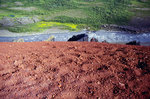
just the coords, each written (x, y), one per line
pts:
(74, 70)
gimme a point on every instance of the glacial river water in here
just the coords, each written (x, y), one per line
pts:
(101, 35)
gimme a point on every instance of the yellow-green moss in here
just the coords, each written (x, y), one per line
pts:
(43, 24)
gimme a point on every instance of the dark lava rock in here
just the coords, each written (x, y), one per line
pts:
(80, 37)
(141, 65)
(133, 43)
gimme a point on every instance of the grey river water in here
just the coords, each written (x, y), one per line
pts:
(101, 35)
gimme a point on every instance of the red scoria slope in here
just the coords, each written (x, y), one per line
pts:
(74, 70)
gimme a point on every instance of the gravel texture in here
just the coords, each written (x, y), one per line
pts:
(74, 70)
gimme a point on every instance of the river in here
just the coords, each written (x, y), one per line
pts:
(101, 35)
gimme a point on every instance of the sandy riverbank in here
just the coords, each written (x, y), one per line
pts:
(6, 33)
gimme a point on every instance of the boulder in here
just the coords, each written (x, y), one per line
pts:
(94, 40)
(80, 37)
(133, 43)
(104, 41)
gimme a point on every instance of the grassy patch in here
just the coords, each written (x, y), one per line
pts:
(40, 26)
(7, 13)
(77, 13)
(84, 4)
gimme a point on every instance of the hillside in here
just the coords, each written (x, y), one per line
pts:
(38, 15)
(34, 67)
(74, 70)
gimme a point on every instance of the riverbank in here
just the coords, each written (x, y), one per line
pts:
(6, 33)
(134, 27)
(64, 70)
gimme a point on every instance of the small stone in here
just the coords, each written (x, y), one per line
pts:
(43, 46)
(98, 82)
(138, 72)
(16, 63)
(122, 85)
(59, 85)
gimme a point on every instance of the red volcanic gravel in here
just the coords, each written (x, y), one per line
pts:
(74, 70)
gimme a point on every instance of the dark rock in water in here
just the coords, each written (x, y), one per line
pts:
(104, 41)
(80, 37)
(133, 43)
(94, 40)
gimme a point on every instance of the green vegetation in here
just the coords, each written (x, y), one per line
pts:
(40, 26)
(83, 13)
(139, 3)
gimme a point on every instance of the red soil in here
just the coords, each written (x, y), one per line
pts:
(74, 70)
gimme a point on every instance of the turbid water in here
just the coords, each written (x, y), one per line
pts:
(101, 35)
